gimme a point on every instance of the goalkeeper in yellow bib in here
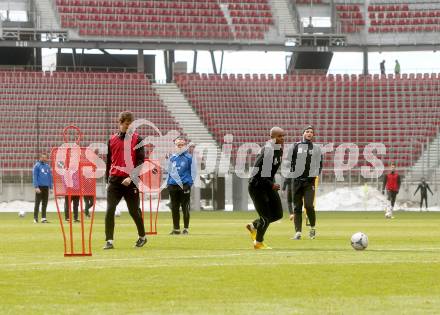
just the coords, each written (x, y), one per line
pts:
(306, 165)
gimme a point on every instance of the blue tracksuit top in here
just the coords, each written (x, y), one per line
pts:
(42, 175)
(181, 169)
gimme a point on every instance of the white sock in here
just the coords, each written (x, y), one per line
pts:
(142, 237)
(110, 241)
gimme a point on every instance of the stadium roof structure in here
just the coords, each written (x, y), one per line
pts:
(356, 25)
(29, 37)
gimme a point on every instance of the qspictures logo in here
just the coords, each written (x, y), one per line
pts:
(207, 158)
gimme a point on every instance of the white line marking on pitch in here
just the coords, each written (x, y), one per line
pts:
(251, 253)
(67, 261)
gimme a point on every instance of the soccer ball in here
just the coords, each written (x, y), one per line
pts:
(117, 213)
(21, 214)
(359, 241)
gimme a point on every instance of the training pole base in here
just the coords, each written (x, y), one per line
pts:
(75, 255)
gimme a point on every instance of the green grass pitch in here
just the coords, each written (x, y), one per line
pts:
(215, 269)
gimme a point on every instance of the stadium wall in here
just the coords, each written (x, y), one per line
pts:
(348, 198)
(26, 192)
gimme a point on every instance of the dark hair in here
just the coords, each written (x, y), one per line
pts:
(309, 127)
(180, 138)
(125, 116)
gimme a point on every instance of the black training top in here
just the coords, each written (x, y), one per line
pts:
(270, 153)
(304, 150)
(424, 187)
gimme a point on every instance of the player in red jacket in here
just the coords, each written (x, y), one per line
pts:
(391, 182)
(120, 184)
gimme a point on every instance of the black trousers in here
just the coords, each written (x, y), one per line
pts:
(115, 192)
(75, 202)
(424, 197)
(268, 206)
(304, 193)
(180, 198)
(392, 197)
(88, 203)
(289, 198)
(42, 198)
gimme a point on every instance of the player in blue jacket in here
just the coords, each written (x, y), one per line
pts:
(181, 174)
(42, 181)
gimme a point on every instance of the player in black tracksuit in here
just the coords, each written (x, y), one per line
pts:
(75, 207)
(424, 187)
(263, 189)
(287, 186)
(89, 200)
(308, 154)
(88, 204)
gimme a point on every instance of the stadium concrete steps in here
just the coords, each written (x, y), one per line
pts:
(48, 16)
(184, 114)
(287, 23)
(428, 164)
(224, 8)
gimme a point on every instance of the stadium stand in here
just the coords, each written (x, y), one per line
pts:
(37, 106)
(345, 109)
(396, 111)
(403, 17)
(350, 17)
(251, 19)
(383, 16)
(199, 19)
